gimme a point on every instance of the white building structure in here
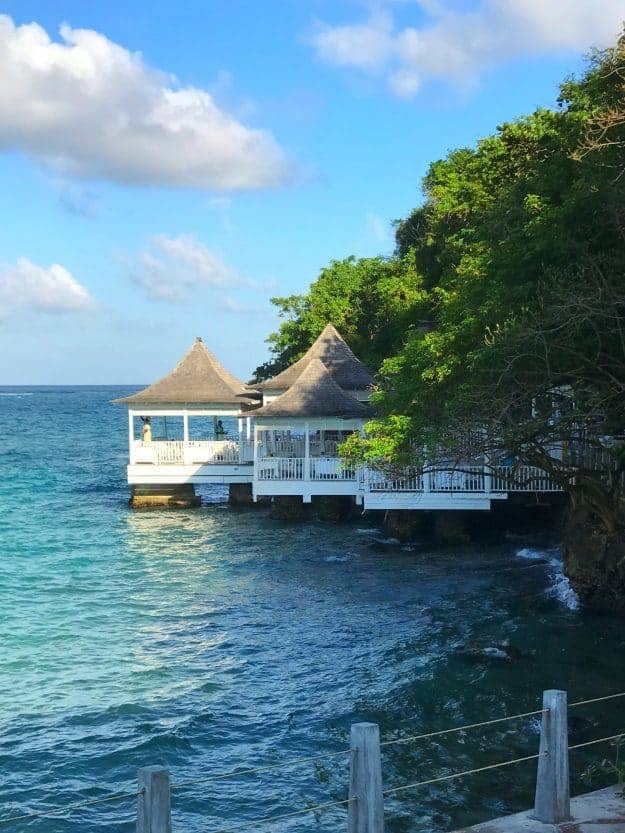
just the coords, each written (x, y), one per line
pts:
(298, 433)
(200, 428)
(281, 438)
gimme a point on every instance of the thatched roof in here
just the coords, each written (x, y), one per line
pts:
(346, 370)
(316, 394)
(197, 379)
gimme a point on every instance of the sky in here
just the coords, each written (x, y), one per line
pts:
(167, 170)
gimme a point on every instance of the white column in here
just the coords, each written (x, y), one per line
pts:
(185, 437)
(131, 435)
(306, 452)
(248, 430)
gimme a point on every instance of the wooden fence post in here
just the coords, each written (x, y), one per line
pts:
(552, 804)
(154, 804)
(365, 813)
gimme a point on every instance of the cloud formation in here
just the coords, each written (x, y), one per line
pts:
(27, 285)
(457, 46)
(90, 108)
(174, 268)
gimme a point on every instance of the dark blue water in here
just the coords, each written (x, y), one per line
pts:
(215, 639)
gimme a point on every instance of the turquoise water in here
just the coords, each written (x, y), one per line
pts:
(216, 639)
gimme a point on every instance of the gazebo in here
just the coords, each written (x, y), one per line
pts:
(344, 367)
(297, 435)
(196, 415)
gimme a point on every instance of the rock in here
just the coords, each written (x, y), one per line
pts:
(480, 651)
(594, 563)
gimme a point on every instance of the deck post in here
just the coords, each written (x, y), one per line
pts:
(154, 801)
(306, 451)
(552, 804)
(131, 436)
(365, 812)
(185, 438)
(488, 475)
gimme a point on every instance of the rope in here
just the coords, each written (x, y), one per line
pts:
(234, 773)
(284, 816)
(463, 728)
(599, 740)
(68, 807)
(462, 774)
(596, 699)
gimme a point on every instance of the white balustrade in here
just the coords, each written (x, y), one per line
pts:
(464, 479)
(193, 452)
(280, 468)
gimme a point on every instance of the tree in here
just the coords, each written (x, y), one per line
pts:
(372, 301)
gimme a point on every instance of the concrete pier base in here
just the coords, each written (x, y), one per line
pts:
(602, 811)
(163, 496)
(333, 508)
(240, 494)
(289, 508)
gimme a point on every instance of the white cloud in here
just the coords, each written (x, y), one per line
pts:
(378, 227)
(457, 46)
(174, 268)
(90, 108)
(34, 287)
(367, 46)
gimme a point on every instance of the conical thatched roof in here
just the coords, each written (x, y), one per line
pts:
(346, 370)
(197, 379)
(315, 394)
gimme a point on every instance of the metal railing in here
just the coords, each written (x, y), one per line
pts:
(365, 802)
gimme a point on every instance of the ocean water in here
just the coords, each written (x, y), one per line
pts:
(216, 639)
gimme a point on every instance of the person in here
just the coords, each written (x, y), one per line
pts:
(220, 431)
(146, 430)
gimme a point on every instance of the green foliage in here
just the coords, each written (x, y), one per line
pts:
(372, 301)
(515, 259)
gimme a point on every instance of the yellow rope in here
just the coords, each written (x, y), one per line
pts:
(284, 816)
(236, 772)
(462, 728)
(462, 774)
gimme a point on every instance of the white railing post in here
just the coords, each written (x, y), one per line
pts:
(131, 436)
(306, 472)
(154, 803)
(365, 813)
(552, 804)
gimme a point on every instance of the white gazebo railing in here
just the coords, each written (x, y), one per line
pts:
(192, 452)
(303, 468)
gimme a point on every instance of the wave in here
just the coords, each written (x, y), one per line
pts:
(3, 393)
(560, 588)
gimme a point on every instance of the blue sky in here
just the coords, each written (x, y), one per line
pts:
(151, 198)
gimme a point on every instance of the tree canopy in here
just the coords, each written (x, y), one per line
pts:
(503, 305)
